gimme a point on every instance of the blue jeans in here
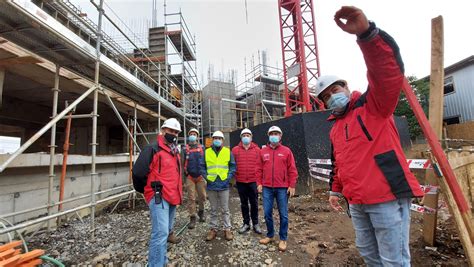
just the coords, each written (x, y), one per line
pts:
(383, 232)
(269, 194)
(162, 220)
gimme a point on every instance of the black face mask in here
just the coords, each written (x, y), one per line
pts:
(171, 138)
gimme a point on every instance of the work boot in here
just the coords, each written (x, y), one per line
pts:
(282, 245)
(173, 239)
(228, 235)
(257, 229)
(201, 216)
(211, 235)
(266, 240)
(192, 222)
(245, 228)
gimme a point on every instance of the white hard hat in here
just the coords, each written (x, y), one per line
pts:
(246, 131)
(325, 81)
(193, 130)
(172, 123)
(274, 129)
(218, 134)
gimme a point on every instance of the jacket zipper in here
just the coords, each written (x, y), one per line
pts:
(347, 132)
(364, 129)
(273, 168)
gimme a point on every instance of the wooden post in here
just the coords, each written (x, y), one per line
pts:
(436, 121)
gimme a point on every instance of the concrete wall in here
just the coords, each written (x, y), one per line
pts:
(25, 187)
(218, 114)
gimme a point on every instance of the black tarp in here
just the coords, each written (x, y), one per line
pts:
(307, 135)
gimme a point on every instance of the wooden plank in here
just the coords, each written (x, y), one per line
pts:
(10, 245)
(11, 262)
(436, 121)
(31, 255)
(7, 254)
(19, 60)
(31, 263)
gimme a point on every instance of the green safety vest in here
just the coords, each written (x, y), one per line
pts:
(217, 165)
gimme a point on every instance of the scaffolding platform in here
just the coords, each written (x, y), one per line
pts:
(56, 41)
(267, 79)
(178, 80)
(175, 38)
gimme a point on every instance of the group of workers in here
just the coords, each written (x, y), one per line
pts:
(369, 168)
(270, 170)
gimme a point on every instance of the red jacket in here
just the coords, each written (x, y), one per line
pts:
(166, 168)
(369, 165)
(277, 167)
(247, 162)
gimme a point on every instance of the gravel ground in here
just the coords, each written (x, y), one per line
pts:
(317, 237)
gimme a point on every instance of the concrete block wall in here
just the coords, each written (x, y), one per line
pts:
(27, 186)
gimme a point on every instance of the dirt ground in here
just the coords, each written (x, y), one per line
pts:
(317, 237)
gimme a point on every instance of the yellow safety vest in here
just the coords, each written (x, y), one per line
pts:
(217, 165)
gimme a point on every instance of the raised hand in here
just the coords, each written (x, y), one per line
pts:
(355, 20)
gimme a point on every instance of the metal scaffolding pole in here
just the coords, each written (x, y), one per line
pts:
(124, 125)
(182, 79)
(50, 217)
(95, 115)
(135, 126)
(159, 90)
(52, 146)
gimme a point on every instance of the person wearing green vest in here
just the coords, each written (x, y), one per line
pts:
(220, 168)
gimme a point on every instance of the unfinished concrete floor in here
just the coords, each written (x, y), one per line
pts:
(317, 237)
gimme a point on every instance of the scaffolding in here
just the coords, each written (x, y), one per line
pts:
(75, 47)
(262, 90)
(180, 56)
(219, 108)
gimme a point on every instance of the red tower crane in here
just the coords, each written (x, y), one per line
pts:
(300, 54)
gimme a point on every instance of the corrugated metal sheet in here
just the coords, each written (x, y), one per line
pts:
(461, 102)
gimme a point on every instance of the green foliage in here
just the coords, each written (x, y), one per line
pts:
(421, 89)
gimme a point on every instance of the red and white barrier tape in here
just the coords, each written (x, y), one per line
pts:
(319, 161)
(430, 189)
(421, 209)
(419, 164)
(324, 179)
(320, 170)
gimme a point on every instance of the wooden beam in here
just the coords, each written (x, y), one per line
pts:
(436, 121)
(5, 62)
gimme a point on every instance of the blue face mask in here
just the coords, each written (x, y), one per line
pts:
(274, 139)
(246, 140)
(338, 102)
(192, 138)
(217, 143)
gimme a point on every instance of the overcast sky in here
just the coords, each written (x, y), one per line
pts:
(224, 38)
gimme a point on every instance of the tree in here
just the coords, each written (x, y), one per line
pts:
(421, 88)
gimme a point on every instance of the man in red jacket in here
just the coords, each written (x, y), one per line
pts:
(369, 167)
(157, 174)
(246, 155)
(276, 179)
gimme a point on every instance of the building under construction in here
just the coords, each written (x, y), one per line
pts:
(78, 107)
